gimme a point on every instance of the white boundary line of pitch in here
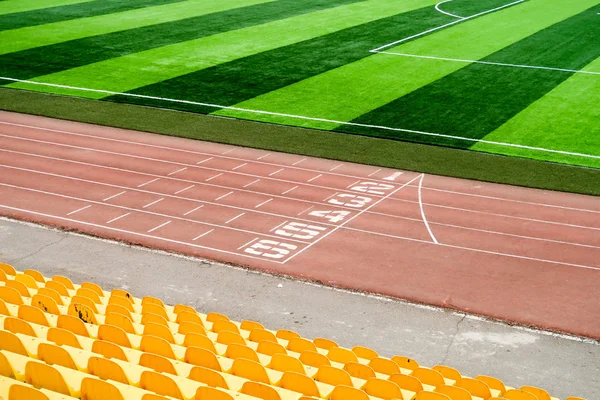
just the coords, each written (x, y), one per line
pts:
(302, 117)
(437, 7)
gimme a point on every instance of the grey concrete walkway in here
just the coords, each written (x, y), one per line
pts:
(563, 365)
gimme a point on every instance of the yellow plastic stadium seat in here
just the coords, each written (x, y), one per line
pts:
(228, 337)
(493, 383)
(365, 352)
(299, 345)
(324, 344)
(44, 376)
(160, 384)
(475, 387)
(314, 359)
(3, 308)
(382, 389)
(108, 350)
(63, 337)
(258, 335)
(407, 382)
(93, 287)
(341, 355)
(8, 269)
(160, 331)
(208, 376)
(52, 354)
(156, 345)
(203, 358)
(105, 369)
(72, 324)
(11, 342)
(213, 316)
(187, 316)
(157, 363)
(10, 295)
(270, 348)
(65, 281)
(114, 334)
(540, 393)
(33, 315)
(121, 301)
(90, 294)
(448, 372)
(286, 335)
(35, 275)
(574, 398)
(16, 325)
(360, 371)
(299, 383)
(19, 287)
(27, 280)
(431, 396)
(148, 317)
(250, 370)
(348, 393)
(515, 394)
(198, 340)
(405, 362)
(181, 307)
(284, 363)
(46, 291)
(208, 393)
(260, 391)
(184, 327)
(235, 350)
(118, 309)
(154, 309)
(95, 389)
(58, 287)
(3, 277)
(152, 300)
(384, 366)
(247, 325)
(120, 321)
(45, 303)
(333, 376)
(83, 312)
(20, 392)
(455, 393)
(222, 325)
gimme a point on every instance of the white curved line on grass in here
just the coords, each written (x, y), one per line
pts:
(302, 117)
(437, 7)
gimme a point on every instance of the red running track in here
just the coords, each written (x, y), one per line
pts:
(512, 253)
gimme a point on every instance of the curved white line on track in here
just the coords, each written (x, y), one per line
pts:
(437, 7)
(423, 212)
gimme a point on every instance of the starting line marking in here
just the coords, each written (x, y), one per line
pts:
(202, 235)
(159, 226)
(79, 209)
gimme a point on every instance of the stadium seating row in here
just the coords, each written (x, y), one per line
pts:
(59, 340)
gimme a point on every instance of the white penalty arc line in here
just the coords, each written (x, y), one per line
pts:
(423, 212)
(332, 121)
(437, 7)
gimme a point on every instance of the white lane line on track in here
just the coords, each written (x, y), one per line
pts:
(239, 166)
(352, 218)
(243, 190)
(299, 161)
(373, 173)
(289, 190)
(283, 223)
(265, 156)
(222, 197)
(194, 209)
(197, 246)
(330, 196)
(179, 170)
(159, 226)
(227, 152)
(184, 189)
(141, 211)
(215, 169)
(213, 177)
(336, 167)
(247, 243)
(234, 218)
(344, 227)
(147, 183)
(202, 235)
(205, 160)
(305, 210)
(117, 218)
(251, 183)
(352, 184)
(313, 178)
(423, 211)
(263, 203)
(115, 195)
(276, 172)
(79, 209)
(153, 203)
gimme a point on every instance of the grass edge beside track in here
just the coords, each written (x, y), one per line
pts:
(309, 142)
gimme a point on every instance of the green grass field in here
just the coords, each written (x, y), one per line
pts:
(519, 78)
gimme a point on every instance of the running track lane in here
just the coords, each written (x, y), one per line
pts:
(512, 253)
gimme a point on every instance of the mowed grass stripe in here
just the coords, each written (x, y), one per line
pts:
(246, 78)
(43, 35)
(477, 99)
(149, 67)
(565, 118)
(73, 11)
(16, 6)
(466, 8)
(360, 87)
(47, 60)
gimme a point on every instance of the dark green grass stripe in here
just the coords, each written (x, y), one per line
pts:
(467, 8)
(74, 11)
(477, 99)
(246, 78)
(45, 60)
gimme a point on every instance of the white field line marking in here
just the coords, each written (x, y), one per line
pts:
(437, 7)
(179, 170)
(247, 244)
(423, 212)
(114, 195)
(316, 177)
(309, 208)
(202, 235)
(213, 177)
(194, 209)
(227, 152)
(283, 223)
(263, 203)
(147, 183)
(298, 162)
(352, 184)
(251, 183)
(219, 186)
(393, 176)
(330, 196)
(137, 234)
(444, 26)
(169, 148)
(118, 218)
(289, 190)
(184, 189)
(361, 212)
(234, 218)
(373, 173)
(276, 172)
(575, 71)
(265, 156)
(153, 203)
(159, 226)
(239, 166)
(336, 167)
(222, 197)
(79, 209)
(203, 161)
(262, 112)
(172, 217)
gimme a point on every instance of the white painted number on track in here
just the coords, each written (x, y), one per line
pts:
(393, 176)
(298, 230)
(270, 249)
(375, 188)
(350, 200)
(331, 216)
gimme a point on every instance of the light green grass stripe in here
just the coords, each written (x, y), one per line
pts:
(347, 92)
(42, 35)
(14, 6)
(152, 66)
(568, 117)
